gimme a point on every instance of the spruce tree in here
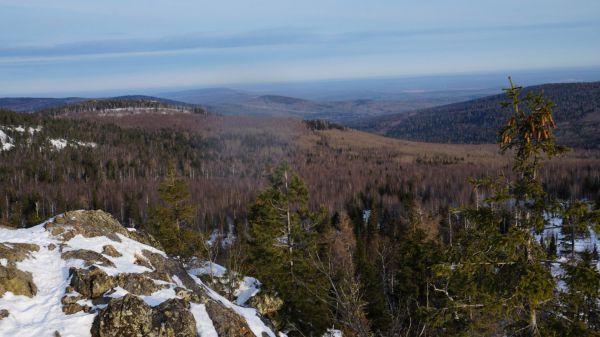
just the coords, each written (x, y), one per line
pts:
(170, 222)
(581, 301)
(496, 277)
(282, 237)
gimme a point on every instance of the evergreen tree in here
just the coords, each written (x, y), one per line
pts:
(283, 236)
(577, 221)
(496, 278)
(170, 222)
(582, 299)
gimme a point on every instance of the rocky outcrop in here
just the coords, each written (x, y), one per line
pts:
(130, 316)
(106, 281)
(226, 321)
(86, 223)
(92, 224)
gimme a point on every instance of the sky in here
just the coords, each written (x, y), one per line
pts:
(69, 47)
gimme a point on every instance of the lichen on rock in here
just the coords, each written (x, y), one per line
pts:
(226, 321)
(88, 256)
(92, 282)
(16, 281)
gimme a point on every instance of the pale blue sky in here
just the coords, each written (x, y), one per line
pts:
(77, 46)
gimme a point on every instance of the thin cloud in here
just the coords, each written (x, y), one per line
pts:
(178, 42)
(210, 41)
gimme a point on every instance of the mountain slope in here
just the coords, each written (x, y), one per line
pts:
(577, 114)
(113, 161)
(32, 104)
(82, 273)
(233, 102)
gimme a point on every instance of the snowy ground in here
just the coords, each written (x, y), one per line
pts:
(42, 314)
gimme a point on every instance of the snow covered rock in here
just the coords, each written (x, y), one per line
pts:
(83, 274)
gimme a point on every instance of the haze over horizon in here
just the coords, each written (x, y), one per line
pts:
(68, 47)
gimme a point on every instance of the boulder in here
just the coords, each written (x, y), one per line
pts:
(138, 284)
(227, 322)
(128, 316)
(110, 251)
(16, 281)
(92, 282)
(3, 314)
(172, 318)
(88, 256)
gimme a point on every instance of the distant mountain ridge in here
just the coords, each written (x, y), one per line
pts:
(238, 102)
(577, 113)
(271, 103)
(34, 104)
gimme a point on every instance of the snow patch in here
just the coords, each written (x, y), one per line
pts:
(5, 142)
(41, 314)
(59, 143)
(255, 324)
(127, 247)
(247, 289)
(333, 333)
(204, 324)
(209, 268)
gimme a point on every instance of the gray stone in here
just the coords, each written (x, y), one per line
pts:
(90, 257)
(227, 322)
(92, 282)
(128, 316)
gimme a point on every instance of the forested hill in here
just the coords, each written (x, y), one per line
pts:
(32, 104)
(74, 104)
(123, 104)
(577, 114)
